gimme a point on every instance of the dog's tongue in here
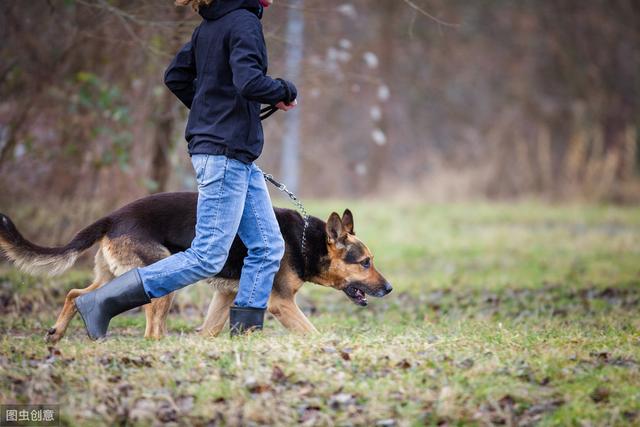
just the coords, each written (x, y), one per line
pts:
(265, 3)
(361, 296)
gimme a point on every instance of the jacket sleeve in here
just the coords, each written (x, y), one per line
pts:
(246, 44)
(181, 74)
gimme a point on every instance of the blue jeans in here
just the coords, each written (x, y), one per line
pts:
(232, 198)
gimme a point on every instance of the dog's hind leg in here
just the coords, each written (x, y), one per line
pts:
(126, 253)
(157, 311)
(217, 314)
(101, 276)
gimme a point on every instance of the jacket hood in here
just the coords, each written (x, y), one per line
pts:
(218, 8)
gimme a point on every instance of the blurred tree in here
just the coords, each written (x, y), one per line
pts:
(291, 140)
(379, 152)
(516, 98)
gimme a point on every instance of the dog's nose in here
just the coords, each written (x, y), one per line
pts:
(387, 288)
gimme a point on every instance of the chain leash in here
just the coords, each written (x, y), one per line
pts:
(305, 216)
(265, 113)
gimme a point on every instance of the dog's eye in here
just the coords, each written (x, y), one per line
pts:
(366, 263)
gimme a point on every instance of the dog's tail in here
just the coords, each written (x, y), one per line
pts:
(35, 259)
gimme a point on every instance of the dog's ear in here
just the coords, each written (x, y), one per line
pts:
(335, 228)
(347, 221)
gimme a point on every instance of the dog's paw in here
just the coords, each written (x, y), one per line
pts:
(52, 336)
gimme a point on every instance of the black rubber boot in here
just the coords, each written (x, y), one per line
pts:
(245, 319)
(119, 295)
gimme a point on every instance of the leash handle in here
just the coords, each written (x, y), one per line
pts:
(267, 112)
(279, 185)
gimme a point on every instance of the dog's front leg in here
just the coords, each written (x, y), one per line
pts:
(156, 315)
(217, 314)
(289, 314)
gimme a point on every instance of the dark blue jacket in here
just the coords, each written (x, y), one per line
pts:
(221, 76)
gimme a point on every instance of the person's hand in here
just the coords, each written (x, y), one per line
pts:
(286, 107)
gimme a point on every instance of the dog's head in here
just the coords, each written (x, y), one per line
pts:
(350, 266)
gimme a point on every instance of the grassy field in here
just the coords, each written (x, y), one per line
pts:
(501, 314)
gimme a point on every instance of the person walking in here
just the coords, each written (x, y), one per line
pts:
(221, 76)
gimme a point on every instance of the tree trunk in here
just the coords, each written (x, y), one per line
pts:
(380, 150)
(291, 139)
(162, 122)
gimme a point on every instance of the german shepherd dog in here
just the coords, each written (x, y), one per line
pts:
(154, 227)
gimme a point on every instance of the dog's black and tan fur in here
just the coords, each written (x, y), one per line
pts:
(154, 227)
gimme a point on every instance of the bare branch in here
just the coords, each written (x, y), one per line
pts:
(416, 7)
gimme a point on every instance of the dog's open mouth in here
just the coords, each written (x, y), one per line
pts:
(356, 295)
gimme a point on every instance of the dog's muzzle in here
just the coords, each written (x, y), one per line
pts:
(386, 290)
(358, 292)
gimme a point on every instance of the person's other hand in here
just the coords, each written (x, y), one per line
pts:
(286, 107)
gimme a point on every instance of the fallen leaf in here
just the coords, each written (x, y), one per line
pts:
(53, 351)
(602, 356)
(167, 413)
(600, 394)
(404, 364)
(140, 361)
(278, 375)
(124, 389)
(260, 388)
(506, 401)
(256, 387)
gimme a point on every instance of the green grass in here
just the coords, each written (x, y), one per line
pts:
(501, 314)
